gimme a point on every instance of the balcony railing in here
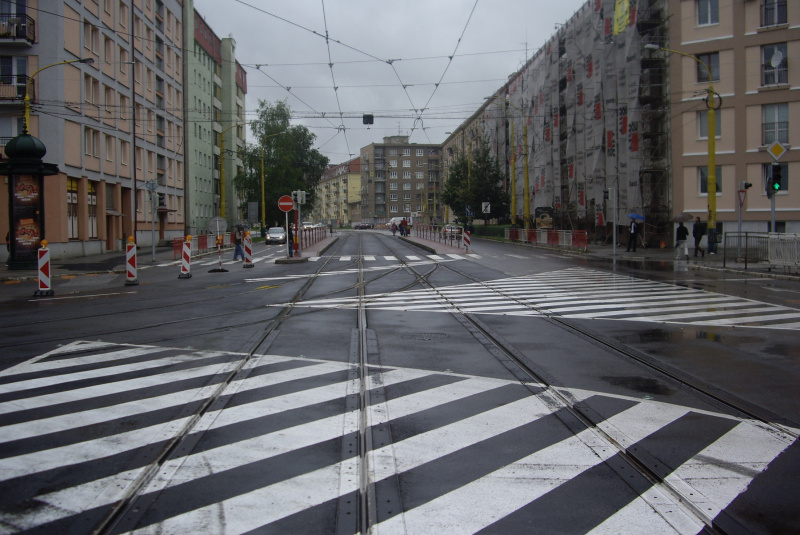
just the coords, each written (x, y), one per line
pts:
(772, 75)
(17, 27)
(12, 87)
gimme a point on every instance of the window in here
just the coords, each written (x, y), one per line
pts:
(393, 197)
(393, 186)
(109, 101)
(123, 61)
(393, 152)
(108, 50)
(91, 142)
(392, 163)
(775, 65)
(707, 12)
(92, 88)
(124, 107)
(420, 163)
(773, 12)
(767, 174)
(407, 175)
(393, 174)
(91, 37)
(407, 208)
(124, 147)
(702, 124)
(420, 152)
(406, 196)
(393, 208)
(775, 123)
(110, 146)
(704, 180)
(406, 163)
(92, 209)
(123, 14)
(407, 186)
(420, 175)
(72, 208)
(711, 60)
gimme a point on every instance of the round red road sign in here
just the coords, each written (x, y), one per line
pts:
(285, 203)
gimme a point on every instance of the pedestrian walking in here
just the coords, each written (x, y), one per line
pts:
(698, 231)
(633, 227)
(238, 238)
(680, 236)
(394, 228)
(404, 227)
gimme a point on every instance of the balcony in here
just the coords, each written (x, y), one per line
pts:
(12, 88)
(17, 29)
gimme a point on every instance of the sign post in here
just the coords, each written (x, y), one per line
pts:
(776, 150)
(286, 204)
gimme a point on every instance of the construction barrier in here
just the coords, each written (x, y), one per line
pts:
(784, 250)
(44, 271)
(466, 240)
(220, 269)
(248, 250)
(186, 259)
(130, 263)
(562, 239)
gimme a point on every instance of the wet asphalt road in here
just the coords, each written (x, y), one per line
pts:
(460, 436)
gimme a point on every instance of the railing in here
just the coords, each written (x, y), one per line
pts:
(310, 236)
(436, 233)
(747, 247)
(201, 244)
(562, 239)
(784, 250)
(13, 26)
(12, 87)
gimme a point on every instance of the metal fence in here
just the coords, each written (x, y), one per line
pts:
(777, 250)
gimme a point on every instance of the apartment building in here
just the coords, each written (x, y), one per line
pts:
(216, 85)
(750, 48)
(338, 195)
(400, 179)
(111, 126)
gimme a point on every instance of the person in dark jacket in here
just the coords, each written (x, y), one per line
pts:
(680, 237)
(633, 227)
(698, 231)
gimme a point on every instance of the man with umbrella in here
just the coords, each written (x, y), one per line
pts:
(633, 227)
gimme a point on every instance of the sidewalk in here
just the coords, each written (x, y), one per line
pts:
(114, 261)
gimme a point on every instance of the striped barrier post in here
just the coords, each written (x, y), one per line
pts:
(186, 259)
(466, 240)
(44, 271)
(248, 250)
(130, 263)
(219, 269)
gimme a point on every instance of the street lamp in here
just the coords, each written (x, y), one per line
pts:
(712, 140)
(27, 99)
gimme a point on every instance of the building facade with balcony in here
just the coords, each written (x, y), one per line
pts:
(338, 194)
(216, 85)
(111, 126)
(400, 179)
(750, 48)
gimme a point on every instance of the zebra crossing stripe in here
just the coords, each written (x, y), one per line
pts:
(273, 436)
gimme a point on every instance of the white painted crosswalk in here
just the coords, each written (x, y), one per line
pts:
(391, 258)
(80, 424)
(580, 293)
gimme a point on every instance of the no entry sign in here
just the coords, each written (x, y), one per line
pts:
(285, 203)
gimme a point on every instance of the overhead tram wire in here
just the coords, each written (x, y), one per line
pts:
(449, 62)
(333, 78)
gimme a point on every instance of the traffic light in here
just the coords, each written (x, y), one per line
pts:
(605, 194)
(776, 178)
(747, 185)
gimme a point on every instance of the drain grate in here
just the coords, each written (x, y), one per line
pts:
(425, 337)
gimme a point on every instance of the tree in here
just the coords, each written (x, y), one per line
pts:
(471, 183)
(290, 161)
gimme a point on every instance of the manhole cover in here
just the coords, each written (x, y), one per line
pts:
(424, 336)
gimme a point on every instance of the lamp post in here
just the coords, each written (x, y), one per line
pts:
(27, 99)
(712, 140)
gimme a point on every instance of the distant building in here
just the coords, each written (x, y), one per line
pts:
(214, 107)
(338, 195)
(400, 179)
(102, 121)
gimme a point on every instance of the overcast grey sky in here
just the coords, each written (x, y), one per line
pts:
(388, 58)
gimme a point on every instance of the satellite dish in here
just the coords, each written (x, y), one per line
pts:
(217, 225)
(776, 60)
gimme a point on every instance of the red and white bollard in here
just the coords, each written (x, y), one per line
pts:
(466, 240)
(44, 271)
(219, 269)
(130, 263)
(248, 250)
(186, 259)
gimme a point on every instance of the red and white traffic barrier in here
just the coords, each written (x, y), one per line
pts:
(466, 240)
(219, 269)
(130, 263)
(248, 250)
(44, 271)
(186, 259)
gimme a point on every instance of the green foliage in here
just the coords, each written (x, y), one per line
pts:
(290, 161)
(473, 182)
